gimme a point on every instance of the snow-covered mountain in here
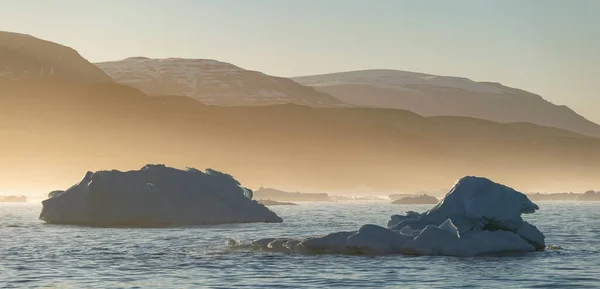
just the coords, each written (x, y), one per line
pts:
(212, 82)
(25, 57)
(432, 95)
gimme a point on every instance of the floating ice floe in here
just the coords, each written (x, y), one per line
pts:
(417, 200)
(155, 196)
(476, 217)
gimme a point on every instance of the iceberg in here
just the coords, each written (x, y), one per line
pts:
(275, 203)
(13, 199)
(155, 196)
(417, 200)
(589, 196)
(477, 216)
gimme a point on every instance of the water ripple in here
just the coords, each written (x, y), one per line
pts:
(35, 255)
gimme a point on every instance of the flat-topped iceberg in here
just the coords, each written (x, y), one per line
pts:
(155, 196)
(13, 199)
(476, 217)
(417, 200)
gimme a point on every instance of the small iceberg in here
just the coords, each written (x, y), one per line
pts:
(155, 196)
(589, 196)
(417, 200)
(13, 199)
(275, 203)
(282, 196)
(476, 217)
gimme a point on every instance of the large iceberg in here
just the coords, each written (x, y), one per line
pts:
(476, 217)
(155, 196)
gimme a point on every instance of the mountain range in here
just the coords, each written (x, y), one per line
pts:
(219, 83)
(52, 128)
(433, 95)
(24, 57)
(213, 82)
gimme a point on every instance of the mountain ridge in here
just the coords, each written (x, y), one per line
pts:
(287, 144)
(53, 130)
(23, 56)
(212, 82)
(431, 95)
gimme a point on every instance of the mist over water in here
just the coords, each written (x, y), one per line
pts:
(273, 133)
(35, 254)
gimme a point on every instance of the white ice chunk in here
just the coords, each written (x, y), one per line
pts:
(331, 243)
(476, 217)
(488, 242)
(478, 204)
(372, 239)
(449, 227)
(435, 241)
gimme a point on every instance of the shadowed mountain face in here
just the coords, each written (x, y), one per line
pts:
(26, 57)
(212, 82)
(431, 95)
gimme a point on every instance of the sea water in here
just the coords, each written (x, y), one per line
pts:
(37, 255)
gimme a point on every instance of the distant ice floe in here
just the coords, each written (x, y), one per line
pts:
(417, 200)
(476, 217)
(155, 196)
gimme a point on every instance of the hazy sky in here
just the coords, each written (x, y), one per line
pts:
(547, 47)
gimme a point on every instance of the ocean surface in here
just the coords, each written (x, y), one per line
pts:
(36, 255)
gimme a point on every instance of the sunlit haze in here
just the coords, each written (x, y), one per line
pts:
(546, 47)
(299, 144)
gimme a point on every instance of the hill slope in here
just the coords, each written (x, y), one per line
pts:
(26, 57)
(212, 82)
(50, 132)
(431, 95)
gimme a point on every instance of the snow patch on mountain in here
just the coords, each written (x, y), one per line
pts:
(398, 80)
(212, 82)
